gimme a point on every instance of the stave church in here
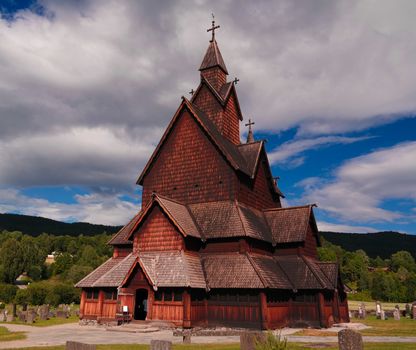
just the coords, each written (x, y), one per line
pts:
(212, 244)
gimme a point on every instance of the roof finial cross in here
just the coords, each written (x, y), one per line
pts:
(250, 137)
(236, 80)
(213, 27)
(192, 92)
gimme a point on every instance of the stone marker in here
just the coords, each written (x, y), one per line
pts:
(350, 340)
(396, 313)
(44, 312)
(10, 318)
(73, 345)
(187, 337)
(248, 340)
(22, 316)
(62, 314)
(407, 312)
(378, 309)
(3, 316)
(30, 317)
(160, 345)
(364, 315)
(382, 315)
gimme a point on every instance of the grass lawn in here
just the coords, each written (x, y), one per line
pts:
(6, 335)
(51, 322)
(390, 327)
(371, 305)
(291, 346)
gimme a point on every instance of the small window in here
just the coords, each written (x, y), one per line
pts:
(158, 295)
(177, 295)
(92, 294)
(168, 295)
(197, 295)
(110, 294)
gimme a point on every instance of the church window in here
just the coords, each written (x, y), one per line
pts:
(110, 294)
(92, 294)
(158, 295)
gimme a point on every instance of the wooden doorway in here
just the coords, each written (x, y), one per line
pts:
(141, 304)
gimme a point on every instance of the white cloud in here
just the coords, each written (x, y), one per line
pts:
(328, 226)
(95, 157)
(95, 208)
(361, 185)
(289, 151)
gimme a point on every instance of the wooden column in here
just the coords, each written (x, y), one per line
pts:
(321, 309)
(337, 314)
(186, 309)
(150, 298)
(100, 303)
(263, 310)
(82, 304)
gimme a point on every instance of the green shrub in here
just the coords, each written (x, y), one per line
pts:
(272, 342)
(7, 292)
(22, 297)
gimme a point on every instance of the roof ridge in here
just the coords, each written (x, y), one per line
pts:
(287, 208)
(284, 272)
(255, 268)
(113, 268)
(111, 258)
(312, 269)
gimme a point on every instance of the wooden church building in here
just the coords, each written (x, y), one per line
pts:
(212, 244)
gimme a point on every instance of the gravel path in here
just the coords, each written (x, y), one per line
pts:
(58, 335)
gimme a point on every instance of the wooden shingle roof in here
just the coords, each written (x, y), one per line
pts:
(213, 58)
(109, 274)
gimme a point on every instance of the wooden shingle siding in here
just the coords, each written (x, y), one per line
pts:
(189, 167)
(157, 233)
(257, 195)
(231, 121)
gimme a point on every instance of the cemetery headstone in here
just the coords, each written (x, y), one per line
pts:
(187, 337)
(62, 314)
(73, 345)
(30, 317)
(413, 312)
(382, 315)
(248, 340)
(22, 316)
(364, 315)
(407, 310)
(349, 339)
(396, 313)
(160, 345)
(44, 312)
(10, 318)
(3, 316)
(378, 309)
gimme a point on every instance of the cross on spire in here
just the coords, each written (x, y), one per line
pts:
(250, 137)
(192, 92)
(236, 80)
(213, 27)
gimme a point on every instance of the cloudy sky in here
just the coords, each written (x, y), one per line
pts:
(87, 88)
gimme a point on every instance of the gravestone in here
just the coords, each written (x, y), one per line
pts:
(248, 340)
(3, 316)
(396, 313)
(382, 315)
(378, 309)
(407, 310)
(160, 345)
(350, 340)
(44, 312)
(413, 312)
(364, 313)
(10, 318)
(73, 345)
(62, 314)
(21, 316)
(30, 316)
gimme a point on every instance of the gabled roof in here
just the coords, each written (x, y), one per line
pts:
(177, 213)
(122, 236)
(226, 219)
(330, 270)
(173, 269)
(222, 95)
(232, 153)
(289, 224)
(213, 58)
(109, 274)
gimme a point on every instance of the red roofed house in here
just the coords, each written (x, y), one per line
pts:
(212, 244)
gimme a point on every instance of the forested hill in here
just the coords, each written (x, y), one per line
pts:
(381, 244)
(34, 226)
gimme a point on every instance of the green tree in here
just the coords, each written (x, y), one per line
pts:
(402, 259)
(12, 261)
(7, 293)
(22, 297)
(63, 263)
(38, 292)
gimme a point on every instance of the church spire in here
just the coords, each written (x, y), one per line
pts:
(250, 136)
(213, 68)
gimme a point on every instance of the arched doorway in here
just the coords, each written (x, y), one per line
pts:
(140, 307)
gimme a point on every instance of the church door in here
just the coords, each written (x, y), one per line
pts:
(140, 307)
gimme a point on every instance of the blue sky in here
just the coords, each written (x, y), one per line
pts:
(87, 90)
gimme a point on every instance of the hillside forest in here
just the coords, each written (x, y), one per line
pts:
(372, 278)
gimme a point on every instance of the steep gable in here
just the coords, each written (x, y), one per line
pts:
(156, 233)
